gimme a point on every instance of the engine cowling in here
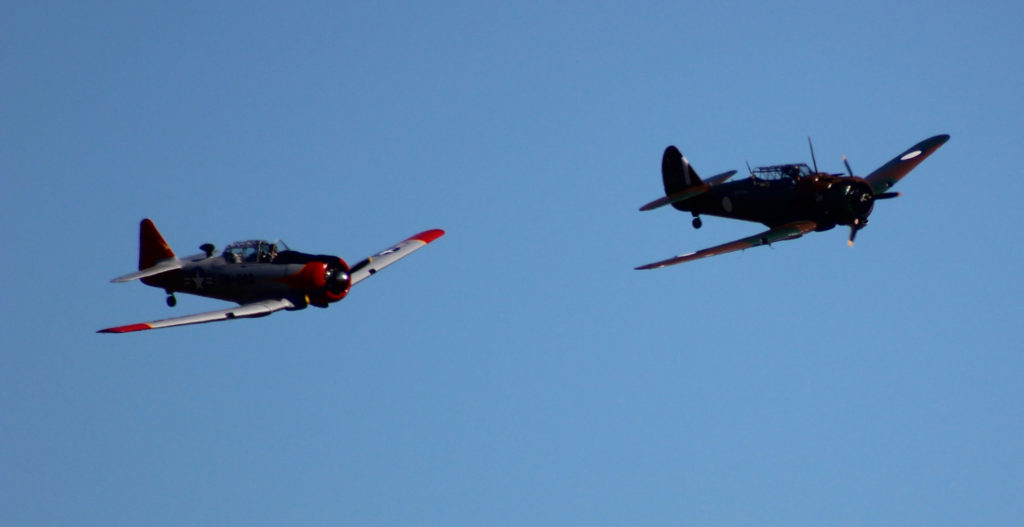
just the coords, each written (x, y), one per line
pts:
(850, 201)
(325, 281)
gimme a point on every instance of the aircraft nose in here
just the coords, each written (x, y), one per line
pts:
(338, 281)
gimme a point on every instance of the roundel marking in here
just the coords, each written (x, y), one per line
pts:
(910, 155)
(727, 204)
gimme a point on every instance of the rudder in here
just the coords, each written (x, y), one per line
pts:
(152, 246)
(678, 176)
(676, 172)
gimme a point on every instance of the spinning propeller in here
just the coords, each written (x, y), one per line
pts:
(866, 200)
(858, 223)
(859, 199)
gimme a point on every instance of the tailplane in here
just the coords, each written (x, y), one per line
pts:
(681, 181)
(152, 246)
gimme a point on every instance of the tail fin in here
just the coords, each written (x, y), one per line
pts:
(152, 247)
(677, 174)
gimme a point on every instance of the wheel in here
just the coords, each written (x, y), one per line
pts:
(171, 301)
(697, 223)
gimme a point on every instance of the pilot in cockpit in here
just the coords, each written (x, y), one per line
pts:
(252, 251)
(268, 252)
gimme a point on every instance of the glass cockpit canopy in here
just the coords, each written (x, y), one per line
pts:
(253, 251)
(776, 172)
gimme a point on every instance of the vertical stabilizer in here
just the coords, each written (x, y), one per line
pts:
(152, 247)
(676, 172)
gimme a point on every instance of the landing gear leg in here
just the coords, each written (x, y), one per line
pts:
(697, 221)
(171, 300)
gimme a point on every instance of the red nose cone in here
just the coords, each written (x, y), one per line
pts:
(338, 281)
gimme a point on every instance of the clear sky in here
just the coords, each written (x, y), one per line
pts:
(518, 371)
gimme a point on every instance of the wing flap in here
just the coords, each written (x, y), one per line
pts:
(254, 309)
(369, 266)
(789, 231)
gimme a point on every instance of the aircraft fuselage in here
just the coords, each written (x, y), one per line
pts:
(826, 199)
(292, 275)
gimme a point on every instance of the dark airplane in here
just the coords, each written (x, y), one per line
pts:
(791, 200)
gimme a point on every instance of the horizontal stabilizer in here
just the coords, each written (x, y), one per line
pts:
(680, 179)
(718, 179)
(676, 198)
(159, 268)
(689, 192)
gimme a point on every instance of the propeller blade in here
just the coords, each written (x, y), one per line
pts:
(813, 160)
(849, 171)
(887, 195)
(856, 226)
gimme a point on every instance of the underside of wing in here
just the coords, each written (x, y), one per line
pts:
(255, 309)
(369, 266)
(890, 173)
(789, 231)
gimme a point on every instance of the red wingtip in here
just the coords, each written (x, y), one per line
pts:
(126, 329)
(428, 236)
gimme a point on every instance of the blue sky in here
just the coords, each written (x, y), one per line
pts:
(517, 371)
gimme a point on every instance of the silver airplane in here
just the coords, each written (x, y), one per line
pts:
(262, 277)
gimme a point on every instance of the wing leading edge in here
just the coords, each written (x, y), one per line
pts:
(370, 265)
(789, 231)
(892, 172)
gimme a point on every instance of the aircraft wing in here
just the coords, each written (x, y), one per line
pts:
(369, 266)
(255, 309)
(789, 231)
(890, 173)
